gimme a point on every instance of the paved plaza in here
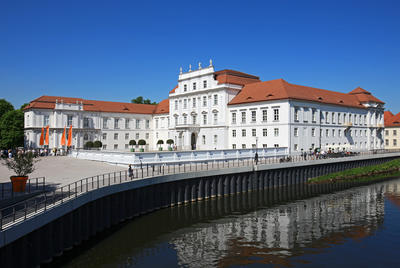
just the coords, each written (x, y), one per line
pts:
(63, 170)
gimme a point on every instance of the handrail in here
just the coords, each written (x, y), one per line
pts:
(33, 184)
(39, 204)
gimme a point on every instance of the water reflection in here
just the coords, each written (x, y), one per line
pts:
(258, 228)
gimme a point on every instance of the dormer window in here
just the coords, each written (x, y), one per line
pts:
(205, 84)
(184, 88)
(194, 86)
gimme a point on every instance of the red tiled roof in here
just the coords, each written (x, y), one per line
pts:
(280, 89)
(391, 120)
(162, 107)
(48, 102)
(235, 77)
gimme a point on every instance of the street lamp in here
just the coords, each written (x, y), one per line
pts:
(256, 143)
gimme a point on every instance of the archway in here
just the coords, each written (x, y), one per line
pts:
(193, 141)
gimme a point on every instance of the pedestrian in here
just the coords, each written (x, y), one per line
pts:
(130, 172)
(256, 158)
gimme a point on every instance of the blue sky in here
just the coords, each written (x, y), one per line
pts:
(117, 50)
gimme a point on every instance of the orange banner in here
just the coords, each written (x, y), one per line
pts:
(63, 138)
(41, 142)
(69, 136)
(47, 135)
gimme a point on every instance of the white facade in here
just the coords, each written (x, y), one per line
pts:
(200, 117)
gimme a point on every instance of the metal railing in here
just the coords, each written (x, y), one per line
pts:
(41, 203)
(32, 185)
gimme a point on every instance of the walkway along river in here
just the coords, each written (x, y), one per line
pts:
(69, 218)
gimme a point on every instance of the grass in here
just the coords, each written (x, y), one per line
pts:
(362, 174)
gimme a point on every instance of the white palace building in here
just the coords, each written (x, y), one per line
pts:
(211, 110)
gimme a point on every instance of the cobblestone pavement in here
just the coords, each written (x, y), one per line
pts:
(62, 170)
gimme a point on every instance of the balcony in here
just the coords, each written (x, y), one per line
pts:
(189, 126)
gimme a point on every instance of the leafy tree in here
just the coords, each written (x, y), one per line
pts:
(5, 107)
(89, 145)
(142, 142)
(170, 141)
(132, 142)
(12, 129)
(22, 164)
(140, 100)
(160, 142)
(97, 144)
(23, 106)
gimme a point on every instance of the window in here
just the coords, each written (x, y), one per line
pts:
(394, 142)
(104, 146)
(314, 115)
(243, 133)
(156, 123)
(147, 123)
(243, 117)
(194, 86)
(85, 122)
(387, 142)
(333, 133)
(215, 118)
(194, 102)
(296, 132)
(104, 136)
(296, 147)
(313, 132)
(204, 139)
(126, 136)
(116, 120)
(327, 117)
(105, 123)
(386, 132)
(265, 132)
(46, 120)
(194, 117)
(253, 132)
(185, 119)
(234, 133)
(126, 123)
(205, 84)
(215, 139)
(233, 146)
(340, 132)
(185, 104)
(115, 136)
(204, 119)
(253, 146)
(253, 116)
(184, 88)
(296, 114)
(276, 145)
(215, 99)
(69, 120)
(276, 132)
(233, 118)
(137, 136)
(333, 118)
(243, 146)
(147, 135)
(264, 114)
(339, 118)
(204, 101)
(394, 132)
(85, 137)
(126, 146)
(305, 114)
(137, 124)
(276, 114)
(327, 133)
(115, 146)
(176, 105)
(344, 118)
(265, 145)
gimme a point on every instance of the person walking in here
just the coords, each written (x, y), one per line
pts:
(130, 172)
(256, 158)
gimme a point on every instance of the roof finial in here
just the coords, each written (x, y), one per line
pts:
(180, 70)
(211, 62)
(199, 65)
(190, 67)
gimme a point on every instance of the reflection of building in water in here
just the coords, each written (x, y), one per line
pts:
(270, 235)
(392, 193)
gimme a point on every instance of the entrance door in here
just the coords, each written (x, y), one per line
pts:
(193, 141)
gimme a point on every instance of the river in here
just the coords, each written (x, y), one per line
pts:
(358, 227)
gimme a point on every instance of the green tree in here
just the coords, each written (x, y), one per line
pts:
(23, 106)
(12, 129)
(97, 144)
(5, 107)
(140, 100)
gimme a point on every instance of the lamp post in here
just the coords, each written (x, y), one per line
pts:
(256, 143)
